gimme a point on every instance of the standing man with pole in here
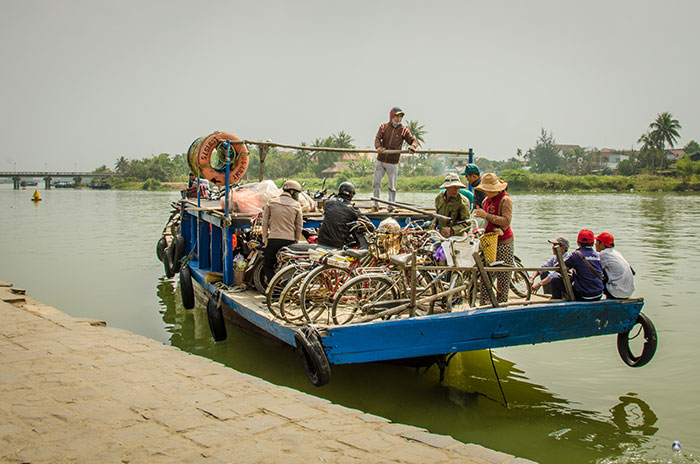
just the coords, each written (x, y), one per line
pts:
(390, 136)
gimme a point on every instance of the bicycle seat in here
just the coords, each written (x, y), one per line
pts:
(353, 253)
(302, 246)
(401, 260)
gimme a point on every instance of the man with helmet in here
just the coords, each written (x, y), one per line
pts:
(338, 213)
(282, 223)
(390, 136)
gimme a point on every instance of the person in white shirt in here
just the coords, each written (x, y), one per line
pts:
(618, 272)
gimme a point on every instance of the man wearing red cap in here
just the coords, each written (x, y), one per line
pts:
(588, 273)
(390, 136)
(619, 273)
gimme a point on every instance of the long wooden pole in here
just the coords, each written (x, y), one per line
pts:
(413, 208)
(347, 150)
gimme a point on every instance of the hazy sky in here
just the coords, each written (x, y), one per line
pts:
(84, 82)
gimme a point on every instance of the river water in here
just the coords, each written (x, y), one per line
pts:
(92, 254)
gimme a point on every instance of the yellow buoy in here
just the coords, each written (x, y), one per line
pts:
(36, 196)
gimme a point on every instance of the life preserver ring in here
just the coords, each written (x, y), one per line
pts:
(215, 316)
(312, 356)
(186, 287)
(650, 343)
(214, 168)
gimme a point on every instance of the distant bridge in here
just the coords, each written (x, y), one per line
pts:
(48, 176)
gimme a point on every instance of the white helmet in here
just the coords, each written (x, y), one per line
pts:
(291, 185)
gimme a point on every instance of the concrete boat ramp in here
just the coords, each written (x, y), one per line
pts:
(73, 390)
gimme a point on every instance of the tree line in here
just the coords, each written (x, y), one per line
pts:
(545, 157)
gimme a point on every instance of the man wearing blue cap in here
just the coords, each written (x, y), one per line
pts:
(471, 171)
(390, 136)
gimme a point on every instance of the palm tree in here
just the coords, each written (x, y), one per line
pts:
(342, 140)
(417, 131)
(665, 131)
(649, 148)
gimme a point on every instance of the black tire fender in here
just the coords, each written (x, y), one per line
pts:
(160, 249)
(215, 316)
(312, 356)
(650, 343)
(169, 261)
(186, 287)
(179, 252)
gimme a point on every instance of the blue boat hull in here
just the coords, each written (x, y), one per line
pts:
(446, 333)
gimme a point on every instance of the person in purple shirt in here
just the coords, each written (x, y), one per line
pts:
(546, 277)
(587, 270)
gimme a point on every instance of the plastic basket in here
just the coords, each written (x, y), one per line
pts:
(489, 244)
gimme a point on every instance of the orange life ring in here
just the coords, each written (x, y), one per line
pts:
(214, 169)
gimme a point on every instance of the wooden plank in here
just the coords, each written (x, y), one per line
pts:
(486, 279)
(564, 272)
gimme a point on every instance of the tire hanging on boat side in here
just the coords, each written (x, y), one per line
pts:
(215, 316)
(169, 260)
(312, 356)
(186, 287)
(179, 252)
(160, 249)
(650, 343)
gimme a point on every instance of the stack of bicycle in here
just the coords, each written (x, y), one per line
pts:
(331, 286)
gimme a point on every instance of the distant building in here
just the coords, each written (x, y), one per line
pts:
(564, 148)
(345, 162)
(674, 155)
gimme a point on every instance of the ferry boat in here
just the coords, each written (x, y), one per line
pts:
(205, 234)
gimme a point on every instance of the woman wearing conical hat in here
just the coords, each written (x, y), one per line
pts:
(498, 212)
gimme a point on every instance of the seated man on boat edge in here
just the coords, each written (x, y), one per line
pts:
(453, 204)
(618, 274)
(588, 272)
(546, 277)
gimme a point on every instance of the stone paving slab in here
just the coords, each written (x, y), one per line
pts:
(73, 390)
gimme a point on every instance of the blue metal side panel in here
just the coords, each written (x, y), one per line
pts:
(193, 234)
(216, 257)
(203, 245)
(228, 256)
(278, 331)
(186, 232)
(477, 330)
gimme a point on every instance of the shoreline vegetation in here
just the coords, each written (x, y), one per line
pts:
(547, 167)
(518, 181)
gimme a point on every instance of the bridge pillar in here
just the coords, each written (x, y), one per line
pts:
(77, 180)
(16, 182)
(47, 182)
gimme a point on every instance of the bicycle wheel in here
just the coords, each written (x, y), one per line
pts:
(289, 301)
(460, 298)
(520, 284)
(259, 277)
(277, 284)
(318, 289)
(362, 295)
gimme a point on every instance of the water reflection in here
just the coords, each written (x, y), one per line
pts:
(468, 405)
